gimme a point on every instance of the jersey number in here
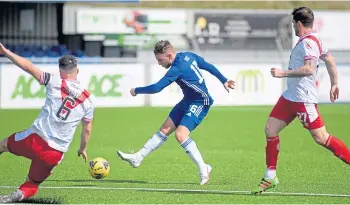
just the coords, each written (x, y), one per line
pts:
(195, 68)
(302, 116)
(196, 110)
(193, 108)
(64, 110)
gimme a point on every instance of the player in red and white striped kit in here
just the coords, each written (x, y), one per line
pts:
(48, 138)
(300, 99)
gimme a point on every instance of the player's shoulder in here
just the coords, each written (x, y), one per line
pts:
(91, 100)
(55, 77)
(310, 44)
(88, 99)
(313, 39)
(189, 55)
(52, 79)
(185, 58)
(314, 34)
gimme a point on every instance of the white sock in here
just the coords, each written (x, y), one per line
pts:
(153, 143)
(192, 151)
(270, 173)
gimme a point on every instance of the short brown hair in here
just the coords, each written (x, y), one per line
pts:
(161, 46)
(67, 62)
(304, 15)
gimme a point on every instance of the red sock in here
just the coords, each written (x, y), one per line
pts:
(338, 148)
(272, 150)
(29, 189)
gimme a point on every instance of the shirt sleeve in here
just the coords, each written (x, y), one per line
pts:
(310, 49)
(325, 50)
(90, 108)
(202, 64)
(45, 78)
(173, 74)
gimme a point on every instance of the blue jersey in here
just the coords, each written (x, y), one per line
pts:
(185, 71)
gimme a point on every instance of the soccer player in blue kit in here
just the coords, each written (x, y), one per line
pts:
(189, 112)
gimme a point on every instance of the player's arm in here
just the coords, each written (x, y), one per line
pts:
(85, 134)
(310, 53)
(202, 64)
(172, 75)
(154, 88)
(85, 138)
(86, 129)
(333, 75)
(331, 68)
(309, 68)
(21, 62)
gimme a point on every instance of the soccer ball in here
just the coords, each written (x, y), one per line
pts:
(99, 168)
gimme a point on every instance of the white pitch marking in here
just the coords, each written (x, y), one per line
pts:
(184, 190)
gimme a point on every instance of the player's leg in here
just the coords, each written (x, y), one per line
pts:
(18, 148)
(19, 144)
(332, 143)
(280, 116)
(14, 196)
(30, 187)
(156, 140)
(272, 129)
(40, 170)
(312, 120)
(194, 115)
(44, 159)
(3, 146)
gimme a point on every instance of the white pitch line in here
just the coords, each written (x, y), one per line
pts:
(184, 190)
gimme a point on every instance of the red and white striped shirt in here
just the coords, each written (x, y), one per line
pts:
(303, 89)
(67, 103)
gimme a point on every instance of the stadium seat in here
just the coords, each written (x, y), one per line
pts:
(78, 53)
(40, 51)
(52, 54)
(26, 54)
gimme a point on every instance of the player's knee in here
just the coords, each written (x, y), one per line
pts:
(166, 130)
(321, 138)
(3, 142)
(180, 136)
(320, 135)
(3, 145)
(168, 127)
(270, 130)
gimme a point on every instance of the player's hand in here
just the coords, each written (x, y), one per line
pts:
(132, 92)
(2, 49)
(83, 153)
(277, 73)
(334, 93)
(230, 84)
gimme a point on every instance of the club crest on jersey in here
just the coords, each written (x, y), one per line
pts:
(308, 46)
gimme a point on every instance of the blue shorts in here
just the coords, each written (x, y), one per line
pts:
(189, 113)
